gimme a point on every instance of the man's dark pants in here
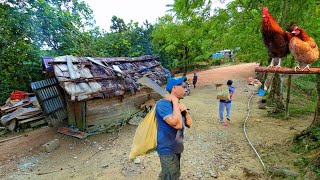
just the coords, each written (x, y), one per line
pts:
(170, 166)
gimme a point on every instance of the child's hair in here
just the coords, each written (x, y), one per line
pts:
(229, 82)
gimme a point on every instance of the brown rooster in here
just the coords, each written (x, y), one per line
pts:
(303, 48)
(275, 38)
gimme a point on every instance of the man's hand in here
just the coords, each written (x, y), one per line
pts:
(187, 115)
(182, 107)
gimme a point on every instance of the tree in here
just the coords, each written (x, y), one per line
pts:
(60, 25)
(117, 25)
(18, 56)
(28, 27)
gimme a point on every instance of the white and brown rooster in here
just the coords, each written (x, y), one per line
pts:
(303, 48)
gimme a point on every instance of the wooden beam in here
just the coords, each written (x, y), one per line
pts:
(284, 70)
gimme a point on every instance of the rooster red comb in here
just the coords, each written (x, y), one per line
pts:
(265, 10)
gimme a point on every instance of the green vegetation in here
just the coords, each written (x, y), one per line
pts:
(303, 101)
(31, 29)
(308, 149)
(184, 38)
(307, 145)
(303, 96)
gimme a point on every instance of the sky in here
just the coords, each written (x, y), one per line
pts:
(136, 10)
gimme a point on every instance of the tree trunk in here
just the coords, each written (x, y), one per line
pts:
(289, 91)
(262, 77)
(288, 97)
(316, 120)
(276, 95)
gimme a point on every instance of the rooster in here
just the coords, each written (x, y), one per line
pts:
(303, 48)
(275, 38)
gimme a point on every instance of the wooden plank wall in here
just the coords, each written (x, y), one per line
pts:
(103, 114)
(71, 115)
(77, 114)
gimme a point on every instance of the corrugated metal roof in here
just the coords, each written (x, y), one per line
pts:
(85, 78)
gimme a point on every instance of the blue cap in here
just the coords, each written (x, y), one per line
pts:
(174, 82)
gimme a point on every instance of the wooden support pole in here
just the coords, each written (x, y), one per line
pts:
(71, 113)
(80, 115)
(284, 70)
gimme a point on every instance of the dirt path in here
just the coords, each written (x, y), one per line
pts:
(211, 150)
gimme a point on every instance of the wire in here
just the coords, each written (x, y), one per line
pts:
(245, 133)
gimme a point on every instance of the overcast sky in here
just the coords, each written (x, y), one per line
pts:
(136, 10)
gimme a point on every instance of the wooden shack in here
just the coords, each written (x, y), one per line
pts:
(102, 92)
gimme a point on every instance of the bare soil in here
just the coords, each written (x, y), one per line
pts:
(212, 151)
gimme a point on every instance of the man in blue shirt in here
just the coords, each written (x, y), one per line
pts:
(226, 103)
(171, 117)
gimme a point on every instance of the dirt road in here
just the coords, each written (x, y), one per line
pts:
(212, 151)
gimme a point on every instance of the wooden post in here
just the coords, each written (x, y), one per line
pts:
(80, 115)
(83, 115)
(71, 115)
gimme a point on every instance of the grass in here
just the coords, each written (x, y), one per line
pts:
(303, 97)
(308, 148)
(303, 101)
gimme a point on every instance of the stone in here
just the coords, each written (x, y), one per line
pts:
(51, 146)
(213, 174)
(137, 160)
(222, 167)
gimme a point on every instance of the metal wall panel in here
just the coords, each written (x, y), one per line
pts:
(50, 99)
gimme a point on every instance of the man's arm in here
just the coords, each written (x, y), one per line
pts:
(184, 110)
(188, 120)
(176, 119)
